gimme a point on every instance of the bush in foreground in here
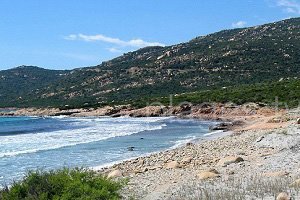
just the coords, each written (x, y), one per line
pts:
(64, 184)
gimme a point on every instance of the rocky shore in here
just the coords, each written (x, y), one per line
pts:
(204, 111)
(259, 160)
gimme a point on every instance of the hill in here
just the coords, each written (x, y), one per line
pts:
(260, 54)
(21, 82)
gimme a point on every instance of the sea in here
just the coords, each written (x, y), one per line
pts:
(30, 143)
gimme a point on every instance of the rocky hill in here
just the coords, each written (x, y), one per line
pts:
(227, 58)
(21, 82)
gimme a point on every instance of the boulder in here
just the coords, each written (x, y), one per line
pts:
(145, 169)
(222, 126)
(114, 174)
(213, 171)
(229, 160)
(298, 121)
(116, 115)
(203, 175)
(189, 144)
(130, 148)
(149, 111)
(172, 165)
(141, 162)
(185, 108)
(187, 160)
(142, 170)
(283, 196)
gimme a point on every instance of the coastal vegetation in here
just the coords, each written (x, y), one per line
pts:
(284, 94)
(64, 184)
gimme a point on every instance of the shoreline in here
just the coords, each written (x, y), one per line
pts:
(228, 112)
(204, 138)
(258, 147)
(260, 151)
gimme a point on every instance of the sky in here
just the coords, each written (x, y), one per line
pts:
(67, 34)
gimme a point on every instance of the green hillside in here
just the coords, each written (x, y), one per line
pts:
(228, 58)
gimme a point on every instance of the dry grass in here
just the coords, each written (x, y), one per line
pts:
(234, 188)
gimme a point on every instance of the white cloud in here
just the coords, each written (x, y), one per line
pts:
(289, 6)
(114, 50)
(70, 37)
(116, 41)
(239, 24)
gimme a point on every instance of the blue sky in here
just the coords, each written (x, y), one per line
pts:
(65, 34)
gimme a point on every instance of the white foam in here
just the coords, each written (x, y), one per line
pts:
(183, 141)
(99, 167)
(213, 133)
(95, 129)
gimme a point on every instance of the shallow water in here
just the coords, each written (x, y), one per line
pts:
(28, 143)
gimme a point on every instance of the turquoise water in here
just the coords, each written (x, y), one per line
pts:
(28, 143)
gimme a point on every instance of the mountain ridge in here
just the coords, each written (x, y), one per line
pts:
(226, 58)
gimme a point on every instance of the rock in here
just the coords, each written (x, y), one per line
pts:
(222, 126)
(296, 183)
(142, 170)
(116, 115)
(189, 144)
(137, 171)
(213, 171)
(154, 168)
(207, 175)
(145, 169)
(141, 162)
(260, 139)
(187, 160)
(241, 153)
(283, 196)
(231, 173)
(130, 148)
(275, 174)
(172, 165)
(114, 174)
(149, 111)
(298, 121)
(229, 160)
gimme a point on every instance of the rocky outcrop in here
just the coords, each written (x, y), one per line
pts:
(205, 111)
(149, 111)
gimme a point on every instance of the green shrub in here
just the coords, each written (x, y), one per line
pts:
(64, 184)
